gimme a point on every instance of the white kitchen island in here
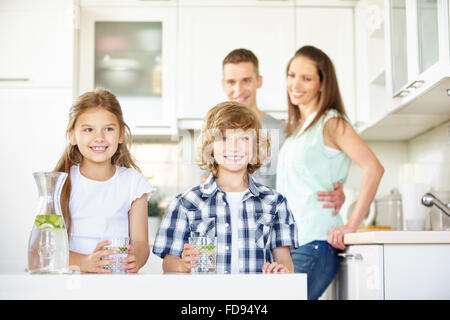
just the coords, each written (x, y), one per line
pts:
(21, 285)
(395, 265)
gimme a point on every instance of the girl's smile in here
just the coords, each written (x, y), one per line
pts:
(97, 134)
(98, 149)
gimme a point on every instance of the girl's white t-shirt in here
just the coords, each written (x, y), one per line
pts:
(234, 200)
(99, 209)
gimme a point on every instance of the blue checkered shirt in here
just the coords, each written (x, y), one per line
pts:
(266, 222)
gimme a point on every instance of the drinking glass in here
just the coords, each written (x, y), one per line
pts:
(120, 245)
(206, 262)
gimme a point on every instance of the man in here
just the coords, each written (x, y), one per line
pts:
(240, 82)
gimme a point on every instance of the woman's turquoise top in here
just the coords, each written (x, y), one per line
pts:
(304, 168)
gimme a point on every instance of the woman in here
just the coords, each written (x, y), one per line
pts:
(319, 149)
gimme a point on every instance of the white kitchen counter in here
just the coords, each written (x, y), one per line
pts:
(21, 285)
(398, 237)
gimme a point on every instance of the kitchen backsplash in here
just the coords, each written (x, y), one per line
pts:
(429, 151)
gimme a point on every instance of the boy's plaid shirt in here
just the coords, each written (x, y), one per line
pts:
(265, 222)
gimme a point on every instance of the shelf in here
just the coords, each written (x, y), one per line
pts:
(379, 78)
(377, 32)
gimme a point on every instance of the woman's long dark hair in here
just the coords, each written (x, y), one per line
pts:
(329, 97)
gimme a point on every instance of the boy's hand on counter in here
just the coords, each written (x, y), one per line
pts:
(274, 267)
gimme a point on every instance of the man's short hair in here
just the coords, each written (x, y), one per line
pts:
(242, 55)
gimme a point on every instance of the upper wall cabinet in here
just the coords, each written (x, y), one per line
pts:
(331, 30)
(236, 3)
(132, 52)
(419, 41)
(207, 34)
(36, 41)
(417, 69)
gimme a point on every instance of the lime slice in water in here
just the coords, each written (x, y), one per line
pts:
(51, 221)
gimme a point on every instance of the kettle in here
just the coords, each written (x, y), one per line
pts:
(389, 210)
(351, 196)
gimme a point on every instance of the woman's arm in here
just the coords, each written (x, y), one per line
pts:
(138, 224)
(347, 140)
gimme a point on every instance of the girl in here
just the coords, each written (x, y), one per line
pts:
(104, 193)
(320, 147)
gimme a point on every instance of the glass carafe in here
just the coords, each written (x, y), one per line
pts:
(48, 246)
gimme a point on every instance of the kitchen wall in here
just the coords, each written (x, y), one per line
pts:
(430, 150)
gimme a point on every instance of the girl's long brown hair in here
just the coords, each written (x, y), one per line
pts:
(330, 96)
(72, 156)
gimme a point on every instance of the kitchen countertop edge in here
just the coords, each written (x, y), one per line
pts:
(398, 237)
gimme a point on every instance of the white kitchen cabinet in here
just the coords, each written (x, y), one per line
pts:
(394, 272)
(331, 30)
(372, 103)
(32, 138)
(419, 41)
(361, 273)
(207, 34)
(417, 73)
(237, 3)
(131, 50)
(417, 272)
(36, 71)
(36, 42)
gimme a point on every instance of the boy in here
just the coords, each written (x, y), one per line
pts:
(254, 227)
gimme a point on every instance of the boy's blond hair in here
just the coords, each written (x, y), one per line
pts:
(231, 115)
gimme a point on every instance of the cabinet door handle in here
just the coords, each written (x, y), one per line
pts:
(14, 79)
(416, 84)
(356, 256)
(402, 94)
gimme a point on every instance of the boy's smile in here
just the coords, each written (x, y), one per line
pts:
(234, 151)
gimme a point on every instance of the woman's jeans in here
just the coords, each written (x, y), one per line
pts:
(320, 261)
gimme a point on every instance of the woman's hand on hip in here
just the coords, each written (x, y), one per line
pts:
(335, 198)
